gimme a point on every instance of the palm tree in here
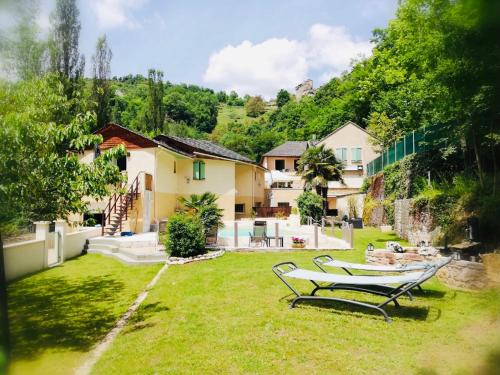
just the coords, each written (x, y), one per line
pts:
(196, 201)
(318, 165)
(204, 206)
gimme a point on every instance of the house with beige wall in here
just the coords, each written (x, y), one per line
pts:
(168, 167)
(352, 147)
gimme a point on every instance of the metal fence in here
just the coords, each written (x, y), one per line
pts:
(412, 143)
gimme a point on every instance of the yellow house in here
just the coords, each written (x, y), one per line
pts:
(161, 170)
(351, 145)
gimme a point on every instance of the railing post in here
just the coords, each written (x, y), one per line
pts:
(276, 233)
(42, 233)
(61, 230)
(235, 234)
(315, 235)
(351, 236)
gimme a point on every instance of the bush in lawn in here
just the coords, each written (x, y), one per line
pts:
(185, 237)
(310, 205)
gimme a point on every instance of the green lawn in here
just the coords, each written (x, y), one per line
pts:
(231, 315)
(58, 315)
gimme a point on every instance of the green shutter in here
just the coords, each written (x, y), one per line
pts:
(196, 170)
(202, 170)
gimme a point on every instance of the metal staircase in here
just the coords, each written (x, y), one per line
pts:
(116, 211)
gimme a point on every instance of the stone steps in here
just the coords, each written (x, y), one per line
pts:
(135, 250)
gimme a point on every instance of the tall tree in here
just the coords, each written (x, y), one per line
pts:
(65, 57)
(255, 106)
(317, 166)
(155, 113)
(22, 48)
(282, 98)
(101, 88)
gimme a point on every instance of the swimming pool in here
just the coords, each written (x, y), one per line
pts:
(244, 228)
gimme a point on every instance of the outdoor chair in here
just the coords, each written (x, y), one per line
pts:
(326, 260)
(259, 235)
(211, 236)
(323, 261)
(377, 285)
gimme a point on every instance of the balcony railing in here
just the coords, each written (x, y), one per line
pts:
(273, 211)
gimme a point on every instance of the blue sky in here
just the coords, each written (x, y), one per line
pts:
(254, 47)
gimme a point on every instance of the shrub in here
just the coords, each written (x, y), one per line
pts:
(185, 236)
(295, 211)
(310, 205)
(280, 214)
(205, 208)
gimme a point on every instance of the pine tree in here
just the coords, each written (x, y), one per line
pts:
(155, 114)
(101, 89)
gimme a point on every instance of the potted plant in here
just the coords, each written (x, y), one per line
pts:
(298, 243)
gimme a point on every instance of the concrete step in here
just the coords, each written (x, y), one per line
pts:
(100, 246)
(144, 254)
(126, 259)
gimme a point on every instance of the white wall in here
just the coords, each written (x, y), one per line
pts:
(27, 257)
(24, 258)
(74, 242)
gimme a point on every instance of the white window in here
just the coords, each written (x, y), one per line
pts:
(341, 153)
(356, 154)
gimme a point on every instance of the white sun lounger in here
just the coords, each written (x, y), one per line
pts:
(327, 260)
(392, 286)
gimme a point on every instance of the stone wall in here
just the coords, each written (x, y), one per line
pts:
(463, 274)
(375, 195)
(459, 274)
(414, 227)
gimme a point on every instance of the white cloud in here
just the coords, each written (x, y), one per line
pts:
(116, 13)
(266, 67)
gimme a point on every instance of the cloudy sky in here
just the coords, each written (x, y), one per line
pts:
(254, 47)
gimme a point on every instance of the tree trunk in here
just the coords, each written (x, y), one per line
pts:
(494, 168)
(4, 313)
(478, 159)
(324, 194)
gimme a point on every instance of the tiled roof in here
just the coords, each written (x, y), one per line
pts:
(201, 146)
(290, 148)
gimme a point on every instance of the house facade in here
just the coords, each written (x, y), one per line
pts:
(169, 167)
(351, 145)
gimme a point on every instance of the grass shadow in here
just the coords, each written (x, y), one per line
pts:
(138, 320)
(61, 313)
(404, 311)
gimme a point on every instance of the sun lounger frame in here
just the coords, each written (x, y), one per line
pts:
(391, 293)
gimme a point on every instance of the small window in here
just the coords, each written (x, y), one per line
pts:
(279, 164)
(341, 154)
(296, 164)
(175, 166)
(239, 208)
(122, 163)
(356, 155)
(198, 170)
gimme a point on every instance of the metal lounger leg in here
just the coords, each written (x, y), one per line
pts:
(356, 288)
(356, 303)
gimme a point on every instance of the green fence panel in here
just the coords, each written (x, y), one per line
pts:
(409, 144)
(391, 155)
(400, 150)
(419, 141)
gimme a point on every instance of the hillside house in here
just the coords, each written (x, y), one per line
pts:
(161, 170)
(351, 145)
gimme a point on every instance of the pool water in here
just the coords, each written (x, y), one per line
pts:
(244, 230)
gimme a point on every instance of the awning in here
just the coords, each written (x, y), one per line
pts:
(277, 176)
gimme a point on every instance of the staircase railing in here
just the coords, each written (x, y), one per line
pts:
(125, 201)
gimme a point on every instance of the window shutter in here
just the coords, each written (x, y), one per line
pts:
(196, 170)
(202, 170)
